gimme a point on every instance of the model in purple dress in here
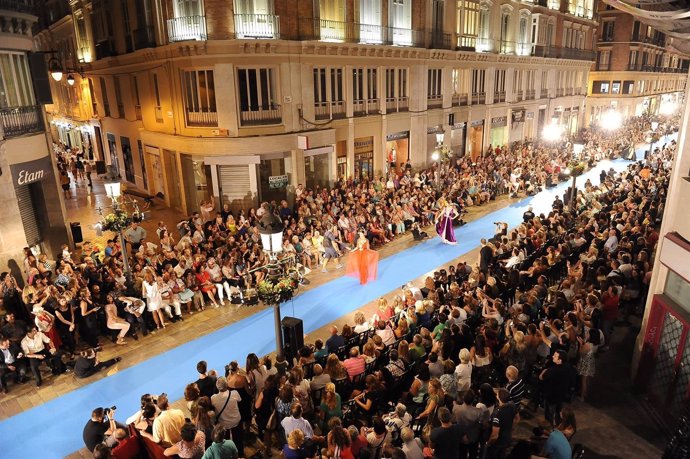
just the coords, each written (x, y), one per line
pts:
(444, 221)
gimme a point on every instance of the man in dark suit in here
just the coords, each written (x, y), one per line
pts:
(528, 215)
(486, 257)
(11, 362)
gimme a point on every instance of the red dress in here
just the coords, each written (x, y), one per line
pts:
(202, 278)
(363, 263)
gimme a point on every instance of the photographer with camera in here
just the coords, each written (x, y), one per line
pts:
(99, 427)
(88, 364)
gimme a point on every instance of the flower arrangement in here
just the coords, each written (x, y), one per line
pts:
(277, 291)
(577, 168)
(117, 221)
(446, 154)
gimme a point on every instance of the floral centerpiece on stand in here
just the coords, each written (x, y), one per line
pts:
(278, 290)
(577, 168)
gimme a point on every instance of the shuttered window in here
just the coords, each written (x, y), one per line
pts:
(235, 185)
(28, 215)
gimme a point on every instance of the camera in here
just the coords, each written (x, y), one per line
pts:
(107, 411)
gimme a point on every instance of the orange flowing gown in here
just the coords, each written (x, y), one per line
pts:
(363, 264)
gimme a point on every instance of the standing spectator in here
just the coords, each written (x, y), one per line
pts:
(557, 381)
(135, 234)
(191, 444)
(221, 448)
(501, 427)
(206, 382)
(226, 406)
(168, 425)
(445, 439)
(486, 257)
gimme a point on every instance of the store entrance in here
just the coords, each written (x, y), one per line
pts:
(273, 179)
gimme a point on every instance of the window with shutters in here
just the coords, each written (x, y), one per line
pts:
(235, 185)
(200, 98)
(136, 98)
(15, 81)
(118, 97)
(467, 15)
(499, 86)
(370, 30)
(328, 93)
(365, 91)
(258, 99)
(157, 96)
(104, 97)
(433, 92)
(478, 91)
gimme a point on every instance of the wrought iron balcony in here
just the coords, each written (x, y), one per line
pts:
(187, 28)
(459, 100)
(18, 121)
(434, 101)
(257, 26)
(563, 53)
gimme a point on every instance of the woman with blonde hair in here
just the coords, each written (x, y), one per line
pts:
(334, 368)
(293, 448)
(361, 324)
(154, 299)
(331, 406)
(463, 372)
(402, 329)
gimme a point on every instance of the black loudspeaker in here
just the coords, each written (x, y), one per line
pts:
(293, 337)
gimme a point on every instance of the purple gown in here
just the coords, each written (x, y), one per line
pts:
(444, 227)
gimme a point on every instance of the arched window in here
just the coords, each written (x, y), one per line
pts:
(524, 41)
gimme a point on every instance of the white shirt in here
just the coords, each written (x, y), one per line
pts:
(35, 345)
(230, 416)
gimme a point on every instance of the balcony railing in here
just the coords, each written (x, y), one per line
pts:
(257, 26)
(365, 107)
(18, 121)
(459, 100)
(500, 96)
(187, 28)
(397, 104)
(439, 40)
(478, 98)
(563, 53)
(530, 94)
(560, 92)
(434, 101)
(329, 110)
(202, 119)
(354, 32)
(257, 116)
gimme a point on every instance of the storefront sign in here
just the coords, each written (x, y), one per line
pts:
(458, 126)
(398, 136)
(434, 130)
(31, 171)
(499, 121)
(477, 123)
(364, 144)
(518, 116)
(277, 181)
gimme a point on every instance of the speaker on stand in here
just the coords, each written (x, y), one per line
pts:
(293, 337)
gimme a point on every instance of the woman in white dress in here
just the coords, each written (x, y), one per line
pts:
(154, 300)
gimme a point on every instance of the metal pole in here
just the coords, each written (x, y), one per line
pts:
(572, 194)
(279, 331)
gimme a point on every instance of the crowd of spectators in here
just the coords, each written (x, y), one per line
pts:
(447, 368)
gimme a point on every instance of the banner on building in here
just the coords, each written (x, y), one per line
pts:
(518, 116)
(499, 121)
(277, 181)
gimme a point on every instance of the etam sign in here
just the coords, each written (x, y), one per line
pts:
(31, 171)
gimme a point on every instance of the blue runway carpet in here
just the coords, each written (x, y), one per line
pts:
(54, 429)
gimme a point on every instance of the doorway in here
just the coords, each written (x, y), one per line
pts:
(172, 173)
(112, 148)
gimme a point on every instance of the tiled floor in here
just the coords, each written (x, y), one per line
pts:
(604, 430)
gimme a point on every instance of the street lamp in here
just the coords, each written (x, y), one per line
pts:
(271, 231)
(118, 222)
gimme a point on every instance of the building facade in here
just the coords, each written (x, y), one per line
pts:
(638, 70)
(32, 209)
(239, 101)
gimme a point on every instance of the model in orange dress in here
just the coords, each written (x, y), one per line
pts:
(363, 262)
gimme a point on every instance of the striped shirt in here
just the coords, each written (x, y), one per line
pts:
(517, 391)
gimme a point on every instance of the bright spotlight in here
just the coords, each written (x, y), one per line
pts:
(552, 132)
(611, 120)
